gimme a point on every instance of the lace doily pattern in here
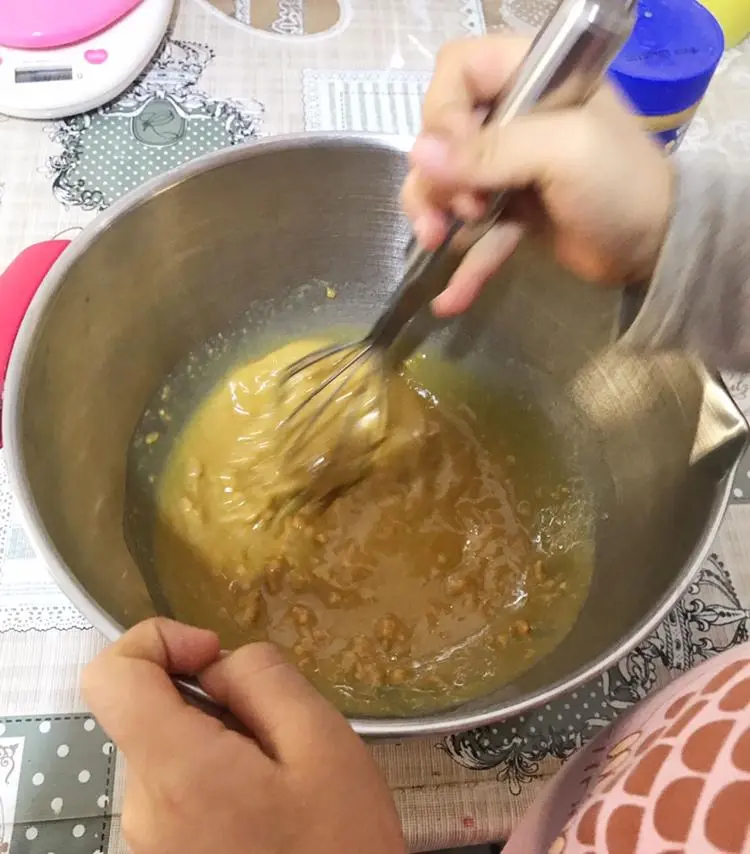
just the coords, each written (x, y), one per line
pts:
(295, 20)
(383, 102)
(29, 598)
(711, 618)
(161, 122)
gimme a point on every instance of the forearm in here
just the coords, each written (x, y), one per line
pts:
(699, 298)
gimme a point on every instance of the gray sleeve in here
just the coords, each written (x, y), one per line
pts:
(699, 298)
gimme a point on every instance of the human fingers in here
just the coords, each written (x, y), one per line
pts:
(468, 73)
(479, 264)
(274, 701)
(513, 156)
(524, 151)
(129, 690)
(430, 222)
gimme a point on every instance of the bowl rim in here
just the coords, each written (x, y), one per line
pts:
(442, 723)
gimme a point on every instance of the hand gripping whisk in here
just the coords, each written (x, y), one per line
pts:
(341, 390)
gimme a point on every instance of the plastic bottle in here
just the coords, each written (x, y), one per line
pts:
(667, 64)
(734, 17)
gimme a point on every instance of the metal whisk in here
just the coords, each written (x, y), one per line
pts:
(562, 68)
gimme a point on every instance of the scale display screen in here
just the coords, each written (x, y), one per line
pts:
(43, 75)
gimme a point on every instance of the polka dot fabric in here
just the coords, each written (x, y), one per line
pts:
(162, 122)
(119, 153)
(62, 774)
(672, 776)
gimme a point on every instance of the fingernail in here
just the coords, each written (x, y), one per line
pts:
(430, 153)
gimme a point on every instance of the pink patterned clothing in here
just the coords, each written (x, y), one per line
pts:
(670, 777)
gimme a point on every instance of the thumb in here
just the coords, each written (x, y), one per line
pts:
(270, 697)
(507, 157)
(172, 646)
(128, 689)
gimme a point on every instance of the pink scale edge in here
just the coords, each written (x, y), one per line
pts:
(45, 24)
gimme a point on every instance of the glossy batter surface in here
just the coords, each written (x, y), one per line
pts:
(422, 585)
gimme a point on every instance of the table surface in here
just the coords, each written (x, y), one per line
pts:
(230, 71)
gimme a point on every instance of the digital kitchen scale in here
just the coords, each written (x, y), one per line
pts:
(63, 57)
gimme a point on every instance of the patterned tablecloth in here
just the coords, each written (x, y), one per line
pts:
(230, 71)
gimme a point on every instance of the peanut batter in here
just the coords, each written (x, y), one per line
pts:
(417, 587)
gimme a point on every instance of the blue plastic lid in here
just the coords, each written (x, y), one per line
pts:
(668, 61)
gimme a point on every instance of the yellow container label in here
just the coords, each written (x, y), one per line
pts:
(669, 130)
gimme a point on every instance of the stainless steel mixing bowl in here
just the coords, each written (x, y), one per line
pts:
(240, 232)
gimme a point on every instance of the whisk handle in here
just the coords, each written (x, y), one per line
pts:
(563, 67)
